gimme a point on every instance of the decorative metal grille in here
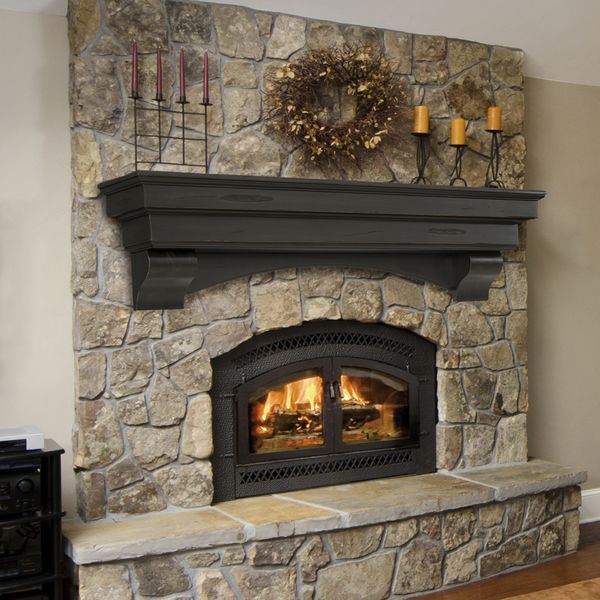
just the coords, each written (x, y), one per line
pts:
(250, 475)
(326, 338)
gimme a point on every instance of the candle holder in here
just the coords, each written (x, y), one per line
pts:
(492, 179)
(456, 175)
(422, 157)
(157, 134)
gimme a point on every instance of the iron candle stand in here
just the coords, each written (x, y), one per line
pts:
(456, 175)
(422, 157)
(491, 178)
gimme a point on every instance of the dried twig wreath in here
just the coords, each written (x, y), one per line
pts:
(338, 102)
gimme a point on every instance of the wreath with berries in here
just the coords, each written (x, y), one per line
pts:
(368, 93)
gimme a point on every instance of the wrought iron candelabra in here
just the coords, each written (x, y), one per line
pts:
(492, 178)
(160, 136)
(422, 157)
(456, 175)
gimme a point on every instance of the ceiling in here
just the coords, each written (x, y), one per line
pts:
(559, 36)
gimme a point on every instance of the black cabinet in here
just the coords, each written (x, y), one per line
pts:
(30, 524)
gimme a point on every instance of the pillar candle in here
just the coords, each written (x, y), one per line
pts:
(494, 118)
(457, 132)
(181, 75)
(205, 99)
(421, 121)
(134, 70)
(159, 75)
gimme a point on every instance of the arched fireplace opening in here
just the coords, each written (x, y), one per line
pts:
(320, 404)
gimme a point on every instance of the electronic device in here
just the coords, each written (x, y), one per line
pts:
(20, 549)
(20, 491)
(17, 439)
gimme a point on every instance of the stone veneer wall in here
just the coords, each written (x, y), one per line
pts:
(390, 560)
(143, 432)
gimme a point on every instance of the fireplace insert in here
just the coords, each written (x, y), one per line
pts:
(320, 404)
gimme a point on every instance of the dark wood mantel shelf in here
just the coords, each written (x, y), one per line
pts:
(186, 232)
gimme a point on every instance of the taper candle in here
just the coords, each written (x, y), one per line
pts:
(134, 71)
(421, 120)
(159, 75)
(494, 118)
(181, 76)
(457, 132)
(205, 98)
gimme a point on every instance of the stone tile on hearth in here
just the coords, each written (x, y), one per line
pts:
(395, 498)
(276, 516)
(519, 479)
(150, 535)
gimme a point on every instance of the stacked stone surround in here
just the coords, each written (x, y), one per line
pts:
(394, 559)
(143, 428)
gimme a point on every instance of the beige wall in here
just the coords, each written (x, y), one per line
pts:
(563, 135)
(36, 359)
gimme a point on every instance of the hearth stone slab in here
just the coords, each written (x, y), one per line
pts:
(310, 511)
(532, 477)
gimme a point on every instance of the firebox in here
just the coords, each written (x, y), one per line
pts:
(322, 403)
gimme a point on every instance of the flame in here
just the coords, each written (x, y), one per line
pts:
(350, 392)
(307, 392)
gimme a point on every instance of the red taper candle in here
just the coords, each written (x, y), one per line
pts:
(159, 77)
(134, 71)
(205, 100)
(181, 76)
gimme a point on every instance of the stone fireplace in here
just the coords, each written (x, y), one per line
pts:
(165, 464)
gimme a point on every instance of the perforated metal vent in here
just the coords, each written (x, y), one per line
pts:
(326, 338)
(315, 467)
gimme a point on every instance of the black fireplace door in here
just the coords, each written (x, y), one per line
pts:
(320, 404)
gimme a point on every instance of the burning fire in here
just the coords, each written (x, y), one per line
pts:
(306, 395)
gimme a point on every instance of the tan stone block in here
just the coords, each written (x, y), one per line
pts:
(191, 314)
(479, 386)
(430, 73)
(511, 442)
(133, 411)
(516, 331)
(166, 402)
(99, 440)
(273, 552)
(176, 347)
(86, 163)
(91, 375)
(436, 297)
(197, 428)
(237, 32)
(223, 336)
(288, 36)
(116, 270)
(84, 20)
(187, 486)
(324, 34)
(136, 499)
(190, 23)
(83, 267)
(400, 533)
(123, 473)
(462, 55)
(506, 400)
(355, 543)
(233, 555)
(419, 567)
(403, 292)
(321, 281)
(276, 305)
(518, 551)
(317, 309)
(461, 564)
(87, 215)
(145, 324)
(193, 374)
(98, 324)
(571, 531)
(313, 557)
(468, 326)
(452, 402)
(470, 94)
(478, 445)
(100, 582)
(239, 73)
(361, 301)
(241, 108)
(434, 328)
(154, 447)
(266, 584)
(458, 528)
(448, 446)
(507, 66)
(516, 285)
(552, 538)
(91, 497)
(131, 369)
(213, 585)
(496, 304)
(572, 497)
(400, 317)
(398, 46)
(160, 576)
(497, 356)
(248, 153)
(491, 514)
(368, 579)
